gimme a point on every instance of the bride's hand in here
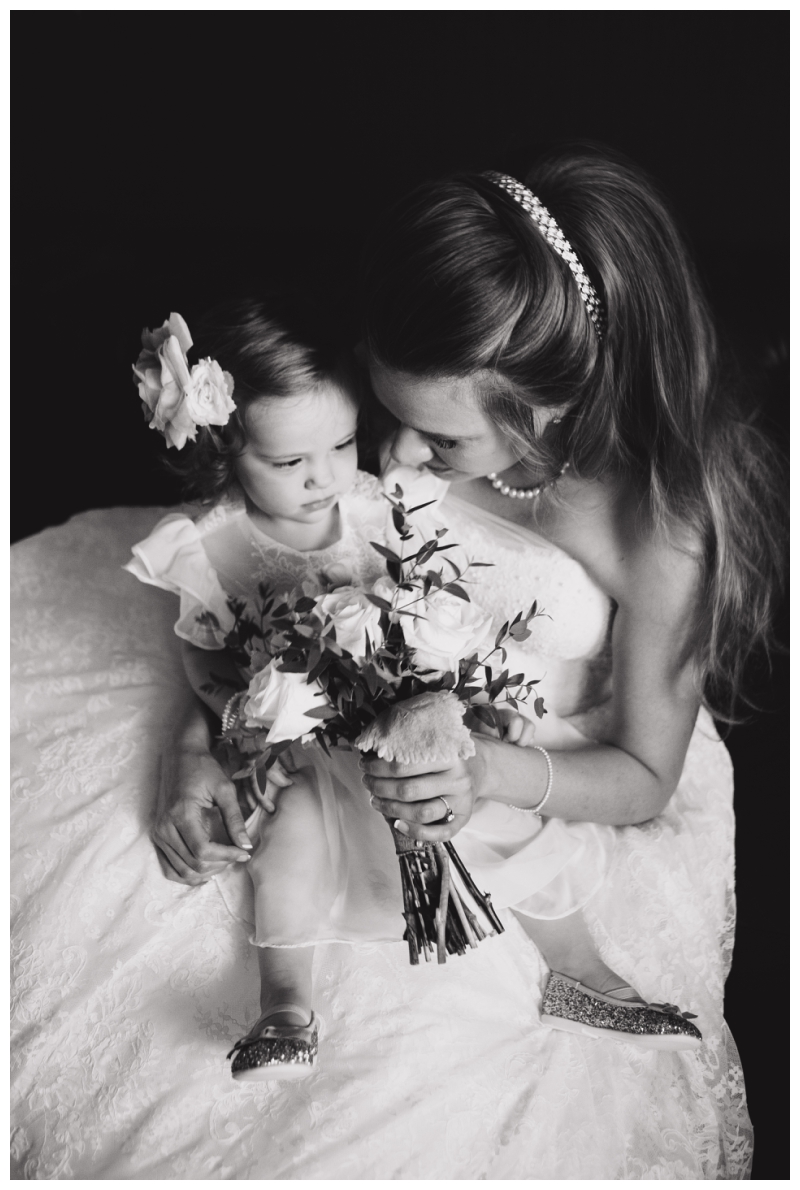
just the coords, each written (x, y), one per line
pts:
(413, 795)
(199, 829)
(517, 729)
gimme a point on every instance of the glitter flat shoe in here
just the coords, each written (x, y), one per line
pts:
(571, 1006)
(276, 1051)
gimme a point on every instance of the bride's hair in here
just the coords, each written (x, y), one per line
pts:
(457, 280)
(277, 346)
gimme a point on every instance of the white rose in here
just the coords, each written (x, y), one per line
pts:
(149, 367)
(175, 400)
(174, 325)
(152, 341)
(170, 414)
(207, 399)
(355, 619)
(279, 701)
(444, 630)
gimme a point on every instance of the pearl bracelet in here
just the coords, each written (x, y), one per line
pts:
(537, 810)
(230, 710)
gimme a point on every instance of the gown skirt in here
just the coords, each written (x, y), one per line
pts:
(128, 989)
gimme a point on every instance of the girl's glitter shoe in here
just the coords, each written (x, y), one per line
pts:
(276, 1051)
(571, 1006)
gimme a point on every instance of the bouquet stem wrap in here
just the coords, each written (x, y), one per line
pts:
(440, 915)
(443, 909)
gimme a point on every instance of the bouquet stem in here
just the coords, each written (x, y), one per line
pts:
(442, 907)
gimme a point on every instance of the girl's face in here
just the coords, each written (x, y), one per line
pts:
(300, 455)
(443, 425)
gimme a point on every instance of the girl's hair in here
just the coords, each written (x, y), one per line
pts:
(457, 279)
(278, 346)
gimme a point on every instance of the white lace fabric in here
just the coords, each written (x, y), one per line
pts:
(129, 990)
(206, 558)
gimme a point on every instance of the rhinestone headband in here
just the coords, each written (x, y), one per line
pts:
(556, 238)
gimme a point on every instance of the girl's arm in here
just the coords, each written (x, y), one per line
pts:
(630, 775)
(199, 828)
(214, 678)
(204, 667)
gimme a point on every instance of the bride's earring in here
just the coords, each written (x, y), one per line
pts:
(556, 421)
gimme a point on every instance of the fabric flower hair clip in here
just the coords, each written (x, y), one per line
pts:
(175, 399)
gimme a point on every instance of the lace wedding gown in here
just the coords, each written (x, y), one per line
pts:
(128, 989)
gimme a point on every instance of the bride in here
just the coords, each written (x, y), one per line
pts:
(562, 378)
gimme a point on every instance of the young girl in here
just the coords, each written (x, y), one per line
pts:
(274, 448)
(289, 508)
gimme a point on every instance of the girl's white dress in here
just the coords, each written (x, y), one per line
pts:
(129, 989)
(342, 883)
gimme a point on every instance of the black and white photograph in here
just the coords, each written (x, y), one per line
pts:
(398, 443)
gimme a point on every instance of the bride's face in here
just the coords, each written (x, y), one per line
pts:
(443, 425)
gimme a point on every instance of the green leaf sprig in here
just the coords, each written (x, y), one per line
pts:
(291, 632)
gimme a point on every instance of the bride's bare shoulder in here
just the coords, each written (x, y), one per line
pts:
(610, 529)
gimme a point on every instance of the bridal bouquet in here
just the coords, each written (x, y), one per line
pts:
(391, 669)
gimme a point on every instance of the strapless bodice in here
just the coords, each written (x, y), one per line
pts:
(569, 648)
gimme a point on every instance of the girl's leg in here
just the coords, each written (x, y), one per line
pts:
(282, 1044)
(291, 874)
(285, 980)
(567, 947)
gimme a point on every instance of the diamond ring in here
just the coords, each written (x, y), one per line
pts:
(449, 815)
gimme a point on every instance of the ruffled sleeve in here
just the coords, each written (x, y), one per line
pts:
(173, 558)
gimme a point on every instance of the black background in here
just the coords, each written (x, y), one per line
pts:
(165, 160)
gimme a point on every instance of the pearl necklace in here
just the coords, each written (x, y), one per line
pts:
(505, 489)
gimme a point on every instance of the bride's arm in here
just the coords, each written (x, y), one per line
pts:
(630, 775)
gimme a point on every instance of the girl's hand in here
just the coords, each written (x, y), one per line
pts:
(277, 779)
(517, 729)
(262, 788)
(412, 795)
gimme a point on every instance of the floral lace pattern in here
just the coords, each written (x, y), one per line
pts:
(247, 557)
(527, 567)
(128, 990)
(209, 556)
